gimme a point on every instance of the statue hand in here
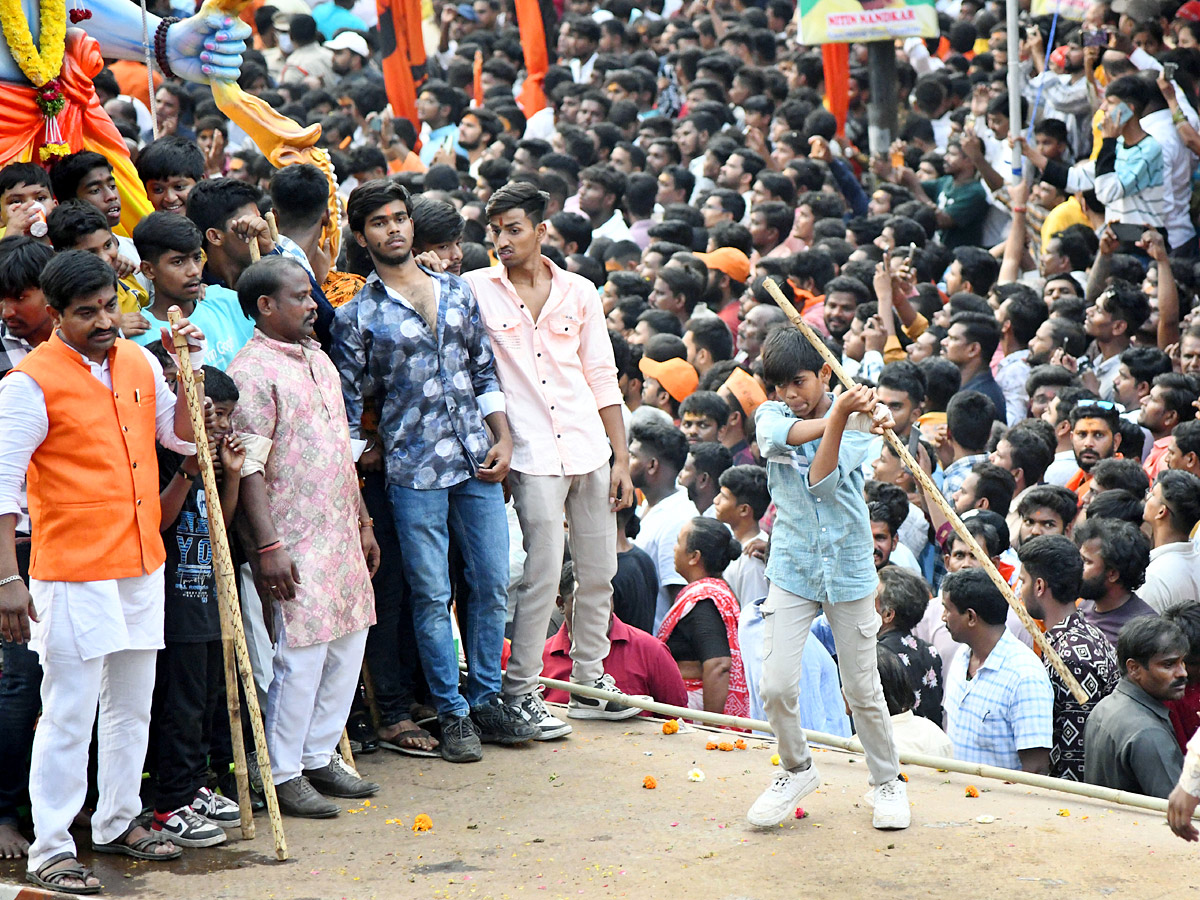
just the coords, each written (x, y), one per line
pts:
(206, 47)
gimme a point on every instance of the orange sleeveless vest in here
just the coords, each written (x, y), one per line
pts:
(93, 482)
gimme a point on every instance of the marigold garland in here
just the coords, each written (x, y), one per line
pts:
(39, 65)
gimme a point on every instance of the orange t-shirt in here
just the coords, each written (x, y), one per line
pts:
(131, 79)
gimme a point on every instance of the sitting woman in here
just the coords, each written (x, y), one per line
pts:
(701, 628)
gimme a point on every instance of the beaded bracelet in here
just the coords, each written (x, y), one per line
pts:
(160, 45)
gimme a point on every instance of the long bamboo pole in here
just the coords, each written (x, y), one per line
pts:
(931, 491)
(233, 638)
(980, 770)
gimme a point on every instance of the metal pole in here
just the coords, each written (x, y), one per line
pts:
(882, 109)
(1014, 81)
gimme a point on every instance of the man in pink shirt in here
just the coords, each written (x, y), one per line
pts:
(556, 368)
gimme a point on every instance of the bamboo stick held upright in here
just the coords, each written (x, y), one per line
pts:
(931, 491)
(233, 638)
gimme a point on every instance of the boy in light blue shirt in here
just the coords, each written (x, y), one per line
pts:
(821, 558)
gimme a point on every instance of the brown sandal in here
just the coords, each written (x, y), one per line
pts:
(52, 881)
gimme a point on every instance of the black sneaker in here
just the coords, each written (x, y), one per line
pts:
(582, 707)
(460, 740)
(499, 723)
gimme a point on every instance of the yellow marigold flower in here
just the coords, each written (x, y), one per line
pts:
(422, 823)
(774, 759)
(1064, 812)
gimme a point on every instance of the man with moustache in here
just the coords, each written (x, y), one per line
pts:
(1129, 744)
(415, 342)
(1094, 436)
(82, 413)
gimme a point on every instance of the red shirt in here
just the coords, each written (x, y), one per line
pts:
(639, 663)
(1185, 714)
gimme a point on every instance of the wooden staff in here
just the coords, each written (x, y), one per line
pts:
(940, 763)
(345, 751)
(233, 638)
(272, 226)
(935, 495)
(255, 255)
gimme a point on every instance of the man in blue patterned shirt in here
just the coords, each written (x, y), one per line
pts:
(415, 342)
(821, 556)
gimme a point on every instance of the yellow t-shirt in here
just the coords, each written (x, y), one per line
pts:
(1063, 216)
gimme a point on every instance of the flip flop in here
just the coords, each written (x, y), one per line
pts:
(50, 880)
(395, 745)
(141, 848)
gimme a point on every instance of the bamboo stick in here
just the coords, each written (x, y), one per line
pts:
(233, 638)
(980, 770)
(255, 254)
(931, 491)
(272, 225)
(345, 751)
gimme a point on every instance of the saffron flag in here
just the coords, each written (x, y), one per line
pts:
(403, 55)
(836, 58)
(477, 80)
(533, 19)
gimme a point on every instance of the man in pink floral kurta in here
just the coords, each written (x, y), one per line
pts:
(308, 533)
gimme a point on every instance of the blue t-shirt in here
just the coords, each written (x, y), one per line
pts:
(331, 19)
(219, 315)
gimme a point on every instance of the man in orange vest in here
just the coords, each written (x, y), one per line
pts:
(81, 414)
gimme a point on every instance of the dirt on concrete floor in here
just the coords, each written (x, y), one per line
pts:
(571, 818)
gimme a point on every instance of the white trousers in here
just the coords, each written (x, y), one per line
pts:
(258, 639)
(855, 624)
(309, 700)
(123, 685)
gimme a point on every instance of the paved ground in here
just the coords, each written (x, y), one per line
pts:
(571, 819)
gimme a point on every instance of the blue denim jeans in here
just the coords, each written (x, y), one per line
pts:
(473, 511)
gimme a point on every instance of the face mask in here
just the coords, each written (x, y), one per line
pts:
(285, 41)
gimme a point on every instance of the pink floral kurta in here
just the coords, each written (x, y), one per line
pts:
(291, 395)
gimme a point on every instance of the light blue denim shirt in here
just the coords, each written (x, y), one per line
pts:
(821, 546)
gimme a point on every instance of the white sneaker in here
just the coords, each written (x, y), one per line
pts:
(779, 801)
(215, 809)
(591, 708)
(186, 828)
(891, 806)
(532, 708)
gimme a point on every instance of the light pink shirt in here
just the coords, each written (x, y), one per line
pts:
(557, 372)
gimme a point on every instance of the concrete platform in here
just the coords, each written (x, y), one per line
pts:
(570, 819)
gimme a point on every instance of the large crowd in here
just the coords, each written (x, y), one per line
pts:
(538, 412)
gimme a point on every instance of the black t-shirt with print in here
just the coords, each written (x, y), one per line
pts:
(191, 587)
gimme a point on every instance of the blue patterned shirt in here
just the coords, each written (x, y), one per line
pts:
(1007, 706)
(433, 391)
(821, 547)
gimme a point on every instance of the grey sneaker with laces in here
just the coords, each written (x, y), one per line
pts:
(532, 708)
(589, 708)
(460, 740)
(499, 723)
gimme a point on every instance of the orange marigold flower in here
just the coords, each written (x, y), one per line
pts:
(972, 791)
(740, 744)
(903, 777)
(422, 823)
(671, 726)
(649, 783)
(711, 745)
(725, 747)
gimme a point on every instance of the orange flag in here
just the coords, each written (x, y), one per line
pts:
(531, 22)
(836, 58)
(477, 83)
(403, 55)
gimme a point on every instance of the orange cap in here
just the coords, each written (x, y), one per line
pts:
(730, 260)
(677, 376)
(747, 390)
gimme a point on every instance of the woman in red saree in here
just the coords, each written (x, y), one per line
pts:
(701, 628)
